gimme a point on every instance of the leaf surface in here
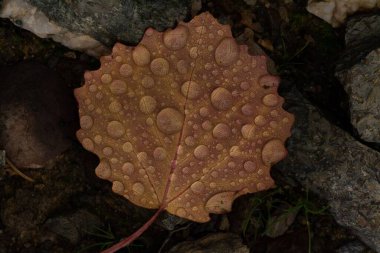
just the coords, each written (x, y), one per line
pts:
(186, 121)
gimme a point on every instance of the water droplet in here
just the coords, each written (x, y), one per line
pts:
(118, 187)
(128, 168)
(125, 70)
(141, 55)
(98, 139)
(193, 52)
(231, 164)
(151, 169)
(181, 212)
(159, 66)
(115, 107)
(190, 141)
(248, 131)
(249, 166)
(270, 100)
(103, 170)
(214, 174)
(169, 121)
(247, 109)
(149, 32)
(115, 129)
(185, 170)
(191, 89)
(159, 153)
(273, 152)
(147, 104)
(86, 122)
(177, 38)
(268, 81)
(235, 151)
(93, 88)
(149, 121)
(88, 144)
(227, 52)
(244, 85)
(106, 78)
(221, 99)
(197, 187)
(201, 152)
(212, 185)
(260, 186)
(107, 151)
(221, 131)
(260, 120)
(182, 67)
(147, 82)
(142, 156)
(127, 147)
(138, 188)
(207, 125)
(204, 112)
(118, 87)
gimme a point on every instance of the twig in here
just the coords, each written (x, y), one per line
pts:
(17, 171)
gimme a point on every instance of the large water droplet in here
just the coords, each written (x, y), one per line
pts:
(125, 70)
(248, 109)
(270, 100)
(88, 144)
(248, 131)
(201, 152)
(128, 168)
(103, 170)
(118, 187)
(221, 131)
(177, 38)
(191, 89)
(159, 153)
(86, 122)
(159, 66)
(197, 187)
(221, 99)
(141, 55)
(227, 52)
(118, 87)
(273, 152)
(169, 121)
(147, 104)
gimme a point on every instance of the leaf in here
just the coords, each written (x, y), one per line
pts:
(186, 121)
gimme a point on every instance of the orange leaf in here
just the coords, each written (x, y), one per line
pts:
(186, 121)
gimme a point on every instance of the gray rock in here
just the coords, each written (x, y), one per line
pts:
(352, 247)
(220, 242)
(358, 71)
(94, 26)
(328, 161)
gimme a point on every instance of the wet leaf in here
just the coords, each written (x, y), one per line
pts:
(186, 121)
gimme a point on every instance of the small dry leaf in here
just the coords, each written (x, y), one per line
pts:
(187, 120)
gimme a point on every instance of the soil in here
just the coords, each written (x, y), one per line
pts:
(43, 216)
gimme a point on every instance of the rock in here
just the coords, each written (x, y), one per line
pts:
(358, 72)
(220, 242)
(94, 26)
(335, 12)
(352, 247)
(75, 226)
(331, 163)
(37, 120)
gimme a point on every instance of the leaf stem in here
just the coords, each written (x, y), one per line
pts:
(126, 241)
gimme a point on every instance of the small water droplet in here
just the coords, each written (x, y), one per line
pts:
(159, 66)
(221, 99)
(115, 129)
(128, 168)
(159, 153)
(201, 152)
(249, 166)
(118, 87)
(147, 104)
(127, 147)
(106, 78)
(221, 131)
(125, 70)
(118, 187)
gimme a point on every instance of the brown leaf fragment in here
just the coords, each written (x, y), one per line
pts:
(186, 121)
